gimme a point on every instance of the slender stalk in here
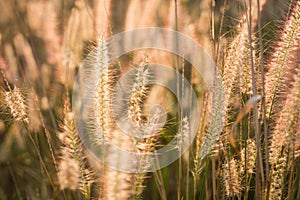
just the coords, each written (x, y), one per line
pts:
(213, 169)
(263, 100)
(179, 183)
(291, 179)
(220, 30)
(212, 25)
(14, 180)
(182, 133)
(160, 183)
(258, 168)
(198, 159)
(187, 176)
(43, 165)
(298, 194)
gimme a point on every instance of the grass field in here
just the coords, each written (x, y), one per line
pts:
(247, 143)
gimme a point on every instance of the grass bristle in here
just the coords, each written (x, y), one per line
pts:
(279, 68)
(73, 173)
(231, 178)
(15, 101)
(89, 108)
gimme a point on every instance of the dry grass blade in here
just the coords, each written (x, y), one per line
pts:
(244, 111)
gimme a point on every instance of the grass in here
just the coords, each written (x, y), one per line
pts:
(247, 149)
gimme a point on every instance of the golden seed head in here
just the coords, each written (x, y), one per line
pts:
(16, 102)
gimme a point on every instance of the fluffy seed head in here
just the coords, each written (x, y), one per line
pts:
(231, 179)
(138, 95)
(68, 174)
(248, 154)
(278, 68)
(277, 178)
(15, 101)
